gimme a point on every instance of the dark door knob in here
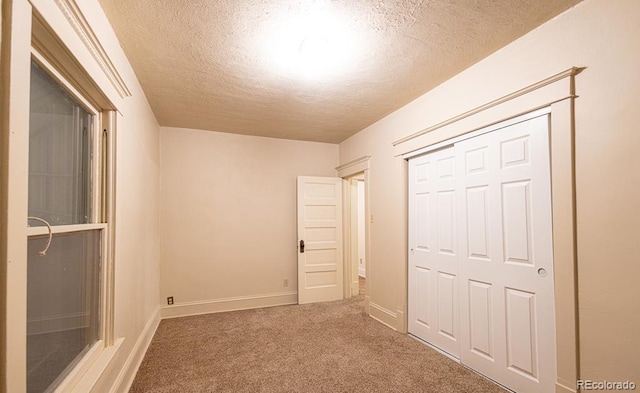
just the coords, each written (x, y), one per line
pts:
(301, 246)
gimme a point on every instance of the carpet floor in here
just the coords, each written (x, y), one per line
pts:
(324, 347)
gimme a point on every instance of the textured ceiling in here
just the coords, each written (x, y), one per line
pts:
(218, 65)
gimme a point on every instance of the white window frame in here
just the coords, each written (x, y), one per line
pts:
(26, 37)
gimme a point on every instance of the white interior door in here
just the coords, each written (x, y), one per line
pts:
(506, 251)
(433, 251)
(497, 204)
(320, 259)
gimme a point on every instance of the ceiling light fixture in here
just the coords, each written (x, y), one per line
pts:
(315, 44)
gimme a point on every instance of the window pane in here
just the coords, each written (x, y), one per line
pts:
(63, 303)
(59, 154)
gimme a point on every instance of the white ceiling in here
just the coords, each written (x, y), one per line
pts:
(220, 65)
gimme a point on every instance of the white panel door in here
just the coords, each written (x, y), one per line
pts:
(505, 247)
(320, 259)
(433, 264)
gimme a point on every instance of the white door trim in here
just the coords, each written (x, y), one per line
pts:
(540, 94)
(473, 134)
(354, 167)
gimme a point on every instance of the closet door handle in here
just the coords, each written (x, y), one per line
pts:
(301, 246)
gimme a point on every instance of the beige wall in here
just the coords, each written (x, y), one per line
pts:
(601, 36)
(137, 254)
(228, 213)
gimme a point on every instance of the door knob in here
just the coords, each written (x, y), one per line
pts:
(301, 246)
(542, 272)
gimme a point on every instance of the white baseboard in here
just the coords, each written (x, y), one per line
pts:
(229, 304)
(128, 372)
(384, 316)
(401, 322)
(560, 388)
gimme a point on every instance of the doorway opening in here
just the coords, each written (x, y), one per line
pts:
(356, 270)
(333, 236)
(357, 258)
(355, 176)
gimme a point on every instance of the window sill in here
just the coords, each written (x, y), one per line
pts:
(88, 372)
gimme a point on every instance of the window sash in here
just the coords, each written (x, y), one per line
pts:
(63, 305)
(99, 149)
(43, 230)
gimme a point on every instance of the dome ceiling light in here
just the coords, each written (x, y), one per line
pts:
(314, 44)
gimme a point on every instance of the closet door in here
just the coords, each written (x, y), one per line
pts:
(505, 256)
(433, 251)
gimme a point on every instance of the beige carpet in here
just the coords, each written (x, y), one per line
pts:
(327, 347)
